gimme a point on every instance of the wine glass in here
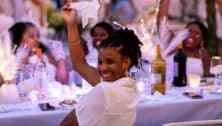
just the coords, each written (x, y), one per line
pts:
(216, 68)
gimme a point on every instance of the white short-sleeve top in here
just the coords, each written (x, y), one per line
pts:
(109, 104)
(195, 66)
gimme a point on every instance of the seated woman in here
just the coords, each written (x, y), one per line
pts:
(27, 33)
(112, 85)
(193, 44)
(99, 32)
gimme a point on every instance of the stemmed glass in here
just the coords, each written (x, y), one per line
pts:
(216, 68)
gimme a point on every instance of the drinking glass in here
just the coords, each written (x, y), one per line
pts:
(216, 68)
(142, 76)
(193, 81)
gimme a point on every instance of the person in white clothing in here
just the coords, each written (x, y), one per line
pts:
(53, 56)
(194, 41)
(99, 32)
(114, 97)
(6, 21)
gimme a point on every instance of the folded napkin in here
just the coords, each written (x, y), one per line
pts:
(87, 10)
(171, 46)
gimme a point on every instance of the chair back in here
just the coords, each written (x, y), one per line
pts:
(197, 123)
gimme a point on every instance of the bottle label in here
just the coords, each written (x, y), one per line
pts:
(175, 69)
(156, 78)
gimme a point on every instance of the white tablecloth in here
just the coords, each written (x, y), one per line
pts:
(157, 114)
(150, 112)
(34, 117)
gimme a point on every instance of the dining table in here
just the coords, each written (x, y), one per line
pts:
(152, 110)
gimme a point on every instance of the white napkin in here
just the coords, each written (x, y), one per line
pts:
(88, 10)
(181, 35)
(164, 32)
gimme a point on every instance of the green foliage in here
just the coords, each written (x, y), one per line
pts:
(54, 18)
(211, 21)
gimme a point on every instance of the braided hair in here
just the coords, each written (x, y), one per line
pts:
(128, 43)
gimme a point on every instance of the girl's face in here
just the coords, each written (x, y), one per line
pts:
(31, 37)
(195, 37)
(99, 35)
(111, 64)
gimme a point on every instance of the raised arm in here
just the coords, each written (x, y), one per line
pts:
(78, 59)
(169, 40)
(163, 10)
(219, 3)
(62, 74)
(163, 13)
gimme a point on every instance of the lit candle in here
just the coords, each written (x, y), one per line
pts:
(55, 89)
(193, 80)
(9, 94)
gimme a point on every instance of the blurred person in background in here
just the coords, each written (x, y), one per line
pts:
(98, 33)
(53, 55)
(36, 8)
(194, 43)
(6, 21)
(122, 11)
(13, 8)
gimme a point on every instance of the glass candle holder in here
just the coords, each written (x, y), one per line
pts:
(193, 80)
(9, 93)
